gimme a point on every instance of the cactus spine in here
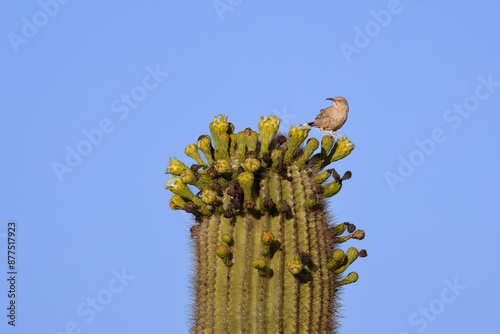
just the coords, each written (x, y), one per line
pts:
(267, 257)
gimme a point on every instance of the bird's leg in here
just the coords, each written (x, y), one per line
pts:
(335, 133)
(321, 129)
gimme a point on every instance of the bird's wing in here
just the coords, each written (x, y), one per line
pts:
(321, 114)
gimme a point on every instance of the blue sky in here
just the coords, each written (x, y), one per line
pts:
(128, 86)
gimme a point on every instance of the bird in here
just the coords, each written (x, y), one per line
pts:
(332, 118)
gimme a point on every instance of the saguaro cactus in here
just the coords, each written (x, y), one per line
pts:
(267, 255)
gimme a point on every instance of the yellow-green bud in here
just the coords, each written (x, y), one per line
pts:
(311, 146)
(267, 237)
(351, 278)
(192, 152)
(232, 141)
(259, 264)
(228, 239)
(342, 148)
(178, 187)
(252, 165)
(297, 134)
(268, 127)
(339, 229)
(222, 166)
(177, 203)
(188, 177)
(295, 266)
(326, 145)
(332, 188)
(323, 176)
(230, 130)
(252, 138)
(219, 124)
(359, 235)
(175, 167)
(351, 255)
(208, 196)
(246, 180)
(338, 259)
(222, 251)
(206, 179)
(205, 145)
(242, 142)
(221, 142)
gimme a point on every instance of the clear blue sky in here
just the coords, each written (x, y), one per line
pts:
(100, 251)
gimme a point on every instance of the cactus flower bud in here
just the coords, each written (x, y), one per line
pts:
(177, 203)
(205, 145)
(222, 166)
(323, 176)
(268, 127)
(338, 259)
(332, 188)
(232, 144)
(295, 266)
(221, 143)
(188, 177)
(251, 138)
(242, 145)
(246, 180)
(252, 165)
(222, 251)
(192, 152)
(297, 134)
(208, 196)
(175, 167)
(228, 239)
(326, 145)
(338, 229)
(178, 187)
(267, 237)
(342, 148)
(351, 278)
(359, 235)
(219, 125)
(351, 255)
(311, 146)
(259, 264)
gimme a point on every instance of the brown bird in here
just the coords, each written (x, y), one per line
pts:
(332, 118)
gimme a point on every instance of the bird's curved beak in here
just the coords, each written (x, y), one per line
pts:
(329, 98)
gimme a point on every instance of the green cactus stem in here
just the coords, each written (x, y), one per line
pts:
(267, 257)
